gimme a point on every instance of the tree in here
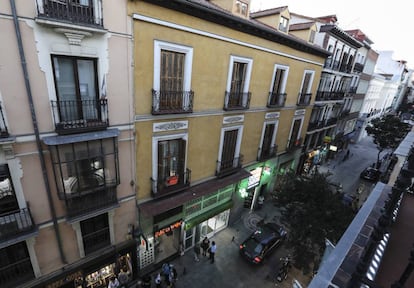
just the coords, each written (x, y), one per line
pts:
(313, 211)
(387, 131)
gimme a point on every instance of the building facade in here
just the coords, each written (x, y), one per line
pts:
(67, 201)
(222, 105)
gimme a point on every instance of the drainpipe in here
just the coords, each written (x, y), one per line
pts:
(36, 130)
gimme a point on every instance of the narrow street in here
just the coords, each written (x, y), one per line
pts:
(231, 270)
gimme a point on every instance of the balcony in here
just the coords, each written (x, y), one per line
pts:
(77, 12)
(172, 102)
(88, 201)
(304, 99)
(329, 95)
(4, 133)
(171, 185)
(228, 167)
(78, 116)
(264, 154)
(16, 223)
(236, 101)
(294, 144)
(358, 67)
(315, 125)
(276, 100)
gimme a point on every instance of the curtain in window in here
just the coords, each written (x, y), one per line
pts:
(238, 77)
(267, 139)
(172, 71)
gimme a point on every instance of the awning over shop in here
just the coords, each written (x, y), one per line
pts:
(157, 206)
(201, 218)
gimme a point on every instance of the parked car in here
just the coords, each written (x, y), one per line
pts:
(370, 174)
(262, 241)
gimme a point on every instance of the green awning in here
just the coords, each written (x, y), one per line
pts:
(207, 215)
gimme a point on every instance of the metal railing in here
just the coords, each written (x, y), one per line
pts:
(173, 184)
(89, 201)
(172, 102)
(76, 116)
(4, 133)
(264, 154)
(84, 12)
(294, 144)
(304, 99)
(227, 167)
(236, 100)
(276, 99)
(16, 222)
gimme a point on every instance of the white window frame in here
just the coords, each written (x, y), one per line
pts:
(238, 144)
(155, 141)
(249, 63)
(188, 51)
(296, 117)
(284, 80)
(309, 90)
(276, 122)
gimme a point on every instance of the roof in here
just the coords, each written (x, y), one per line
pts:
(335, 30)
(301, 26)
(207, 11)
(268, 12)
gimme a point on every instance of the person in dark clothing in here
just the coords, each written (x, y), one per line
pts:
(204, 245)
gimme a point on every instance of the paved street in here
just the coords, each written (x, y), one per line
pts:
(230, 270)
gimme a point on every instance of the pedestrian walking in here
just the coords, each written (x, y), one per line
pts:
(113, 282)
(123, 277)
(197, 252)
(158, 280)
(166, 271)
(213, 250)
(204, 245)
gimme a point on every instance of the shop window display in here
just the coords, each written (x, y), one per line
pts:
(100, 278)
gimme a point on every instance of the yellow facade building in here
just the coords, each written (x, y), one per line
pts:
(222, 103)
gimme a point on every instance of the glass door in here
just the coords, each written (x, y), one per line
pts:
(189, 238)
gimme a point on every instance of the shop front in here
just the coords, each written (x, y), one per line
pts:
(94, 271)
(172, 225)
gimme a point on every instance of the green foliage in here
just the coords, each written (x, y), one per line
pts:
(387, 132)
(313, 212)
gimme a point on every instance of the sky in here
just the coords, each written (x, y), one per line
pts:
(388, 24)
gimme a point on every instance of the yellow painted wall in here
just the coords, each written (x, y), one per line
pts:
(210, 68)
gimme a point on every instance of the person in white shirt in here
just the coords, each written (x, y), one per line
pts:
(213, 250)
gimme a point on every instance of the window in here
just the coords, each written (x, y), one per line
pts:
(85, 166)
(283, 24)
(169, 174)
(229, 157)
(305, 91)
(8, 200)
(171, 158)
(295, 139)
(268, 148)
(241, 8)
(312, 36)
(238, 83)
(76, 88)
(95, 233)
(15, 265)
(277, 95)
(172, 78)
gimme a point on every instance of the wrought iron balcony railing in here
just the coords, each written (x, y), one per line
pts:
(4, 133)
(15, 223)
(304, 99)
(267, 153)
(172, 102)
(72, 116)
(78, 12)
(236, 100)
(89, 201)
(276, 100)
(358, 67)
(294, 144)
(329, 95)
(171, 185)
(227, 167)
